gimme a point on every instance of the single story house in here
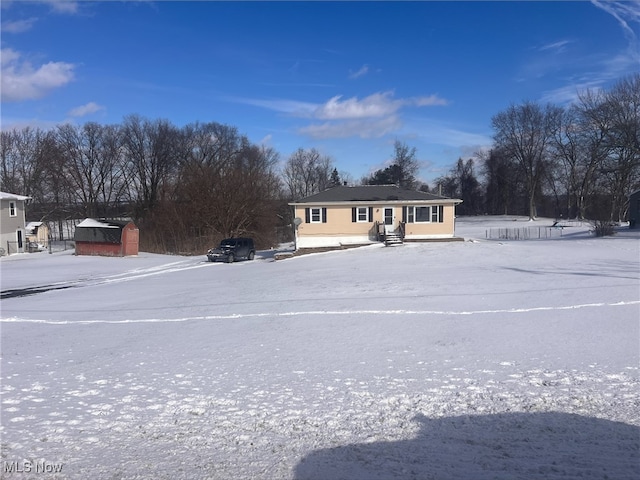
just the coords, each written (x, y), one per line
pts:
(367, 214)
(38, 233)
(111, 238)
(12, 223)
(634, 209)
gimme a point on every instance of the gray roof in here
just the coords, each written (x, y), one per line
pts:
(370, 193)
(100, 231)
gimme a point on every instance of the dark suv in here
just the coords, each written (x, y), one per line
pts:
(231, 249)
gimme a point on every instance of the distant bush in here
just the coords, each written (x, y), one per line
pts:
(603, 228)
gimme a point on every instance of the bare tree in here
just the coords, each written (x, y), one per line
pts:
(503, 185)
(524, 133)
(246, 194)
(578, 145)
(151, 154)
(407, 164)
(461, 182)
(622, 165)
(9, 178)
(225, 186)
(307, 172)
(401, 172)
(92, 164)
(56, 201)
(207, 153)
(22, 162)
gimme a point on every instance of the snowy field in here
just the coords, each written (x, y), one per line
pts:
(482, 359)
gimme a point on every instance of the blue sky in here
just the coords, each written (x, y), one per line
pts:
(348, 78)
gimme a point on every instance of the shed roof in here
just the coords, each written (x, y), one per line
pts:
(100, 231)
(92, 222)
(31, 227)
(370, 193)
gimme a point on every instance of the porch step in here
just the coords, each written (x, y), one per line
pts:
(391, 239)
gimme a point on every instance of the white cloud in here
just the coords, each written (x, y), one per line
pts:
(433, 132)
(372, 116)
(86, 109)
(21, 81)
(558, 46)
(363, 128)
(359, 73)
(266, 140)
(8, 56)
(430, 101)
(63, 6)
(569, 93)
(376, 105)
(58, 6)
(624, 12)
(18, 26)
(293, 107)
(9, 124)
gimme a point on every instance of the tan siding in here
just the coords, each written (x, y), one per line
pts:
(444, 228)
(338, 223)
(340, 229)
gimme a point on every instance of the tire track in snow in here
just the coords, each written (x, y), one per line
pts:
(108, 279)
(234, 316)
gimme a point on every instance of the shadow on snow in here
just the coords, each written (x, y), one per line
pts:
(502, 446)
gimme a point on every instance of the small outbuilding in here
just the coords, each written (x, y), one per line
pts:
(110, 238)
(37, 234)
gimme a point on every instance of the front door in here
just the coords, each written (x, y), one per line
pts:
(389, 219)
(19, 241)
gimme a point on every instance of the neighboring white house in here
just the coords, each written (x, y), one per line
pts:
(12, 223)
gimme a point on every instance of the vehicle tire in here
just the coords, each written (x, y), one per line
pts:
(251, 255)
(230, 258)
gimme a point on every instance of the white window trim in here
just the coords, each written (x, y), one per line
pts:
(435, 211)
(366, 215)
(415, 215)
(412, 213)
(13, 209)
(311, 213)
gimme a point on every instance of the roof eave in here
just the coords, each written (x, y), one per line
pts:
(437, 201)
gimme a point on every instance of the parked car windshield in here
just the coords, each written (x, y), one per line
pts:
(228, 243)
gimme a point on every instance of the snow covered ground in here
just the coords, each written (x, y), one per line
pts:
(482, 359)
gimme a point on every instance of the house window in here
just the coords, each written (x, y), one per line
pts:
(315, 215)
(436, 213)
(423, 214)
(410, 216)
(428, 214)
(12, 209)
(362, 214)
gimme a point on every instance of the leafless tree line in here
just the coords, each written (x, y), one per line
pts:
(188, 187)
(185, 187)
(582, 161)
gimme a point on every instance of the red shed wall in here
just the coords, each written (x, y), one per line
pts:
(104, 249)
(130, 240)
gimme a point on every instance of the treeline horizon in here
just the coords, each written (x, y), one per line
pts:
(188, 187)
